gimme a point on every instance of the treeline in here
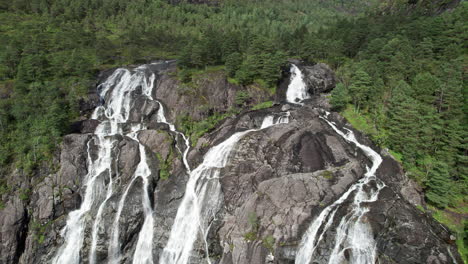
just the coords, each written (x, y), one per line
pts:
(406, 76)
(50, 51)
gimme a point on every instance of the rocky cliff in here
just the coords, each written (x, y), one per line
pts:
(276, 182)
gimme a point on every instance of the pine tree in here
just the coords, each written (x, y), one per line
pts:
(233, 63)
(339, 97)
(361, 83)
(439, 189)
(402, 122)
(198, 55)
(424, 86)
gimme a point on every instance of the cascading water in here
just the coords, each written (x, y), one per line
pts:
(297, 89)
(115, 112)
(202, 197)
(354, 236)
(162, 119)
(143, 252)
(116, 92)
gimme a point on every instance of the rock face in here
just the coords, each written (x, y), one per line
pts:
(318, 77)
(277, 181)
(280, 178)
(207, 95)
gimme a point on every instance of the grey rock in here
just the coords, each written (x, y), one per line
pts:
(286, 107)
(13, 220)
(212, 94)
(128, 159)
(85, 126)
(157, 141)
(319, 78)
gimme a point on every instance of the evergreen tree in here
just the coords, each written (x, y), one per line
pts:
(438, 184)
(198, 55)
(360, 86)
(339, 97)
(425, 86)
(233, 63)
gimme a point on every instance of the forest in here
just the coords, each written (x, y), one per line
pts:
(401, 70)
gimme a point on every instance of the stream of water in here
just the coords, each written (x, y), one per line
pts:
(203, 196)
(100, 185)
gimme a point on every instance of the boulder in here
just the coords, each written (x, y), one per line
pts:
(319, 78)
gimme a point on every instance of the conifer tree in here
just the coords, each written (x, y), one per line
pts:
(360, 86)
(339, 97)
(438, 184)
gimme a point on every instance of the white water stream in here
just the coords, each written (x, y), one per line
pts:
(202, 197)
(297, 89)
(354, 234)
(117, 94)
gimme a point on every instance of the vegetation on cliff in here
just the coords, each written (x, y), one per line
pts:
(401, 68)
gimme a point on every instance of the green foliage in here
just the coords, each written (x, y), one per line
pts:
(195, 129)
(454, 219)
(361, 123)
(252, 220)
(250, 236)
(404, 77)
(439, 187)
(39, 230)
(339, 97)
(269, 243)
(242, 98)
(24, 194)
(233, 63)
(360, 87)
(327, 174)
(164, 165)
(263, 105)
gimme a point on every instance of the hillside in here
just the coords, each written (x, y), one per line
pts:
(216, 69)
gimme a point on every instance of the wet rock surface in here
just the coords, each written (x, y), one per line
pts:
(276, 182)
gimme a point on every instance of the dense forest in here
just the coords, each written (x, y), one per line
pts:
(401, 69)
(50, 53)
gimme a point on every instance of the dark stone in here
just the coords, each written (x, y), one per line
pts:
(84, 126)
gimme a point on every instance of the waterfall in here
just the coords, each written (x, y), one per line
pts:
(297, 89)
(143, 252)
(162, 119)
(116, 94)
(354, 236)
(202, 197)
(114, 113)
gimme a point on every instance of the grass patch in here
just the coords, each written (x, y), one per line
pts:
(397, 156)
(269, 243)
(165, 165)
(253, 221)
(263, 85)
(196, 73)
(455, 219)
(195, 129)
(263, 105)
(233, 81)
(359, 122)
(327, 174)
